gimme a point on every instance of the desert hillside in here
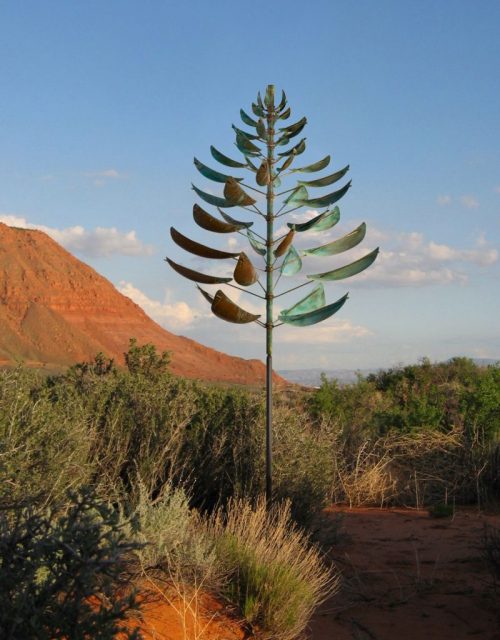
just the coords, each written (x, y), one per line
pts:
(56, 311)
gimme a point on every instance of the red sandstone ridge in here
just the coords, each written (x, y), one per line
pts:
(56, 310)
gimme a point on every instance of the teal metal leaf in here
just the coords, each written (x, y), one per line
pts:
(282, 104)
(294, 129)
(244, 134)
(286, 164)
(338, 246)
(313, 317)
(269, 97)
(236, 223)
(256, 245)
(300, 147)
(330, 198)
(220, 157)
(250, 165)
(247, 119)
(258, 110)
(196, 276)
(199, 249)
(298, 195)
(208, 222)
(314, 300)
(315, 166)
(215, 200)
(324, 182)
(211, 174)
(292, 263)
(259, 100)
(246, 147)
(283, 141)
(277, 181)
(261, 129)
(285, 114)
(349, 270)
(324, 221)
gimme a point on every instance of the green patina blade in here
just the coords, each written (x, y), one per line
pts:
(225, 309)
(315, 166)
(211, 174)
(338, 246)
(208, 222)
(256, 245)
(283, 141)
(292, 263)
(236, 223)
(258, 110)
(313, 317)
(261, 130)
(247, 119)
(196, 276)
(324, 182)
(324, 221)
(349, 270)
(228, 162)
(298, 195)
(215, 200)
(205, 294)
(199, 249)
(245, 134)
(299, 148)
(246, 147)
(314, 300)
(294, 129)
(269, 97)
(286, 114)
(330, 198)
(282, 104)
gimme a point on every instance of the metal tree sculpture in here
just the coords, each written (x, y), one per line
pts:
(281, 257)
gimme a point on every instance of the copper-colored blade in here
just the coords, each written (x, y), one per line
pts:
(208, 222)
(235, 194)
(199, 249)
(226, 309)
(262, 178)
(196, 276)
(282, 248)
(245, 273)
(206, 295)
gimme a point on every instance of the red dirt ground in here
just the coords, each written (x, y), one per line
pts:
(409, 576)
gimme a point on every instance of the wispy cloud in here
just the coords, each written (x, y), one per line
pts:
(100, 178)
(470, 202)
(335, 331)
(443, 200)
(98, 242)
(173, 316)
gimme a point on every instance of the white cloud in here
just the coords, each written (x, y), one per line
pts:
(469, 202)
(100, 178)
(443, 200)
(99, 242)
(173, 316)
(336, 331)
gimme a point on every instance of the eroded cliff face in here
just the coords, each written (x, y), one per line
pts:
(56, 310)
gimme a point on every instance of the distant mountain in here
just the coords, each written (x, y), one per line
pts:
(56, 311)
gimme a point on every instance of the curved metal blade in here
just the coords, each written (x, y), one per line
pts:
(244, 272)
(196, 276)
(250, 165)
(237, 223)
(226, 309)
(348, 241)
(258, 110)
(325, 201)
(300, 147)
(261, 130)
(282, 104)
(283, 141)
(244, 134)
(294, 129)
(263, 176)
(349, 270)
(208, 222)
(235, 194)
(283, 246)
(314, 300)
(205, 294)
(246, 147)
(199, 249)
(247, 119)
(297, 196)
(215, 200)
(324, 221)
(292, 263)
(286, 114)
(315, 166)
(324, 182)
(256, 245)
(286, 164)
(313, 317)
(220, 157)
(211, 174)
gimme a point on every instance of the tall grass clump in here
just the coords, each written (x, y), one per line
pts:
(274, 573)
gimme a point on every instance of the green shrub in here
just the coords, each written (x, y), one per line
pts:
(59, 574)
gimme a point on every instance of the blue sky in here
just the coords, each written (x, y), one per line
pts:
(105, 103)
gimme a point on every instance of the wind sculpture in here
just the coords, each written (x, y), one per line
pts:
(269, 166)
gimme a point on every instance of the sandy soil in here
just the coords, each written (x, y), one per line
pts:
(409, 576)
